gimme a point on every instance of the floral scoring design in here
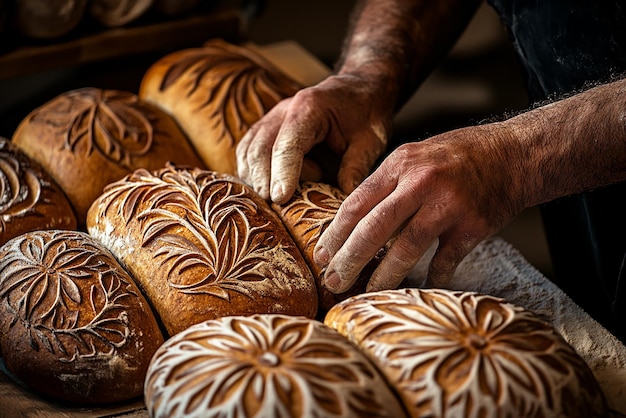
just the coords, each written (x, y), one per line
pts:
(462, 354)
(264, 365)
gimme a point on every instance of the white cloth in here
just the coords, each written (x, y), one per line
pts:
(496, 268)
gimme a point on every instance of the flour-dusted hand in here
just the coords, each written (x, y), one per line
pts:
(463, 186)
(340, 110)
(456, 187)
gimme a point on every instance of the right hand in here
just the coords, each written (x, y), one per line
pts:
(342, 110)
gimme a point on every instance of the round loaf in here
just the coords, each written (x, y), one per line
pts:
(215, 93)
(307, 215)
(90, 137)
(73, 325)
(47, 19)
(113, 13)
(202, 245)
(29, 200)
(461, 354)
(265, 366)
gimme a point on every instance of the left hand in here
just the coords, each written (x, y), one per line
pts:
(459, 187)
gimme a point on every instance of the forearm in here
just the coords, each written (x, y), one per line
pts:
(394, 44)
(572, 145)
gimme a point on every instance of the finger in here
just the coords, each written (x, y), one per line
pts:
(406, 250)
(258, 158)
(367, 238)
(254, 150)
(356, 205)
(241, 151)
(356, 164)
(298, 134)
(449, 254)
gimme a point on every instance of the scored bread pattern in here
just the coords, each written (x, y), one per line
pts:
(115, 124)
(233, 86)
(21, 189)
(461, 354)
(313, 207)
(44, 279)
(265, 365)
(222, 248)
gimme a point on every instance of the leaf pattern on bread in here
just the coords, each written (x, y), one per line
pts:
(220, 248)
(310, 211)
(45, 277)
(232, 85)
(112, 123)
(21, 189)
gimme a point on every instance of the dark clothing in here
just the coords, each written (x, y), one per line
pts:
(565, 46)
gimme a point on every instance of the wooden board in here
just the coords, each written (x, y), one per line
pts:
(17, 401)
(295, 61)
(124, 41)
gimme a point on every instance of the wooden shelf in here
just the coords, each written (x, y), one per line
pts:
(120, 42)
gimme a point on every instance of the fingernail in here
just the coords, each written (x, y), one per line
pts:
(321, 256)
(278, 191)
(262, 191)
(332, 280)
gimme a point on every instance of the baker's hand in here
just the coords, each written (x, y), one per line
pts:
(340, 110)
(458, 187)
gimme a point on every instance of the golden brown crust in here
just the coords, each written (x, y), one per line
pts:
(307, 215)
(202, 245)
(464, 354)
(88, 138)
(265, 365)
(73, 325)
(216, 93)
(29, 199)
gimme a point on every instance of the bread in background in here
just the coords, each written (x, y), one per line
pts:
(90, 137)
(216, 92)
(114, 13)
(30, 199)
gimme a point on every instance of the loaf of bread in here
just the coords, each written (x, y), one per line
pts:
(215, 93)
(47, 19)
(113, 13)
(462, 354)
(88, 138)
(29, 200)
(202, 245)
(265, 366)
(73, 325)
(175, 7)
(307, 215)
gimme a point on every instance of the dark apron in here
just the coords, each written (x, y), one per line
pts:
(564, 46)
